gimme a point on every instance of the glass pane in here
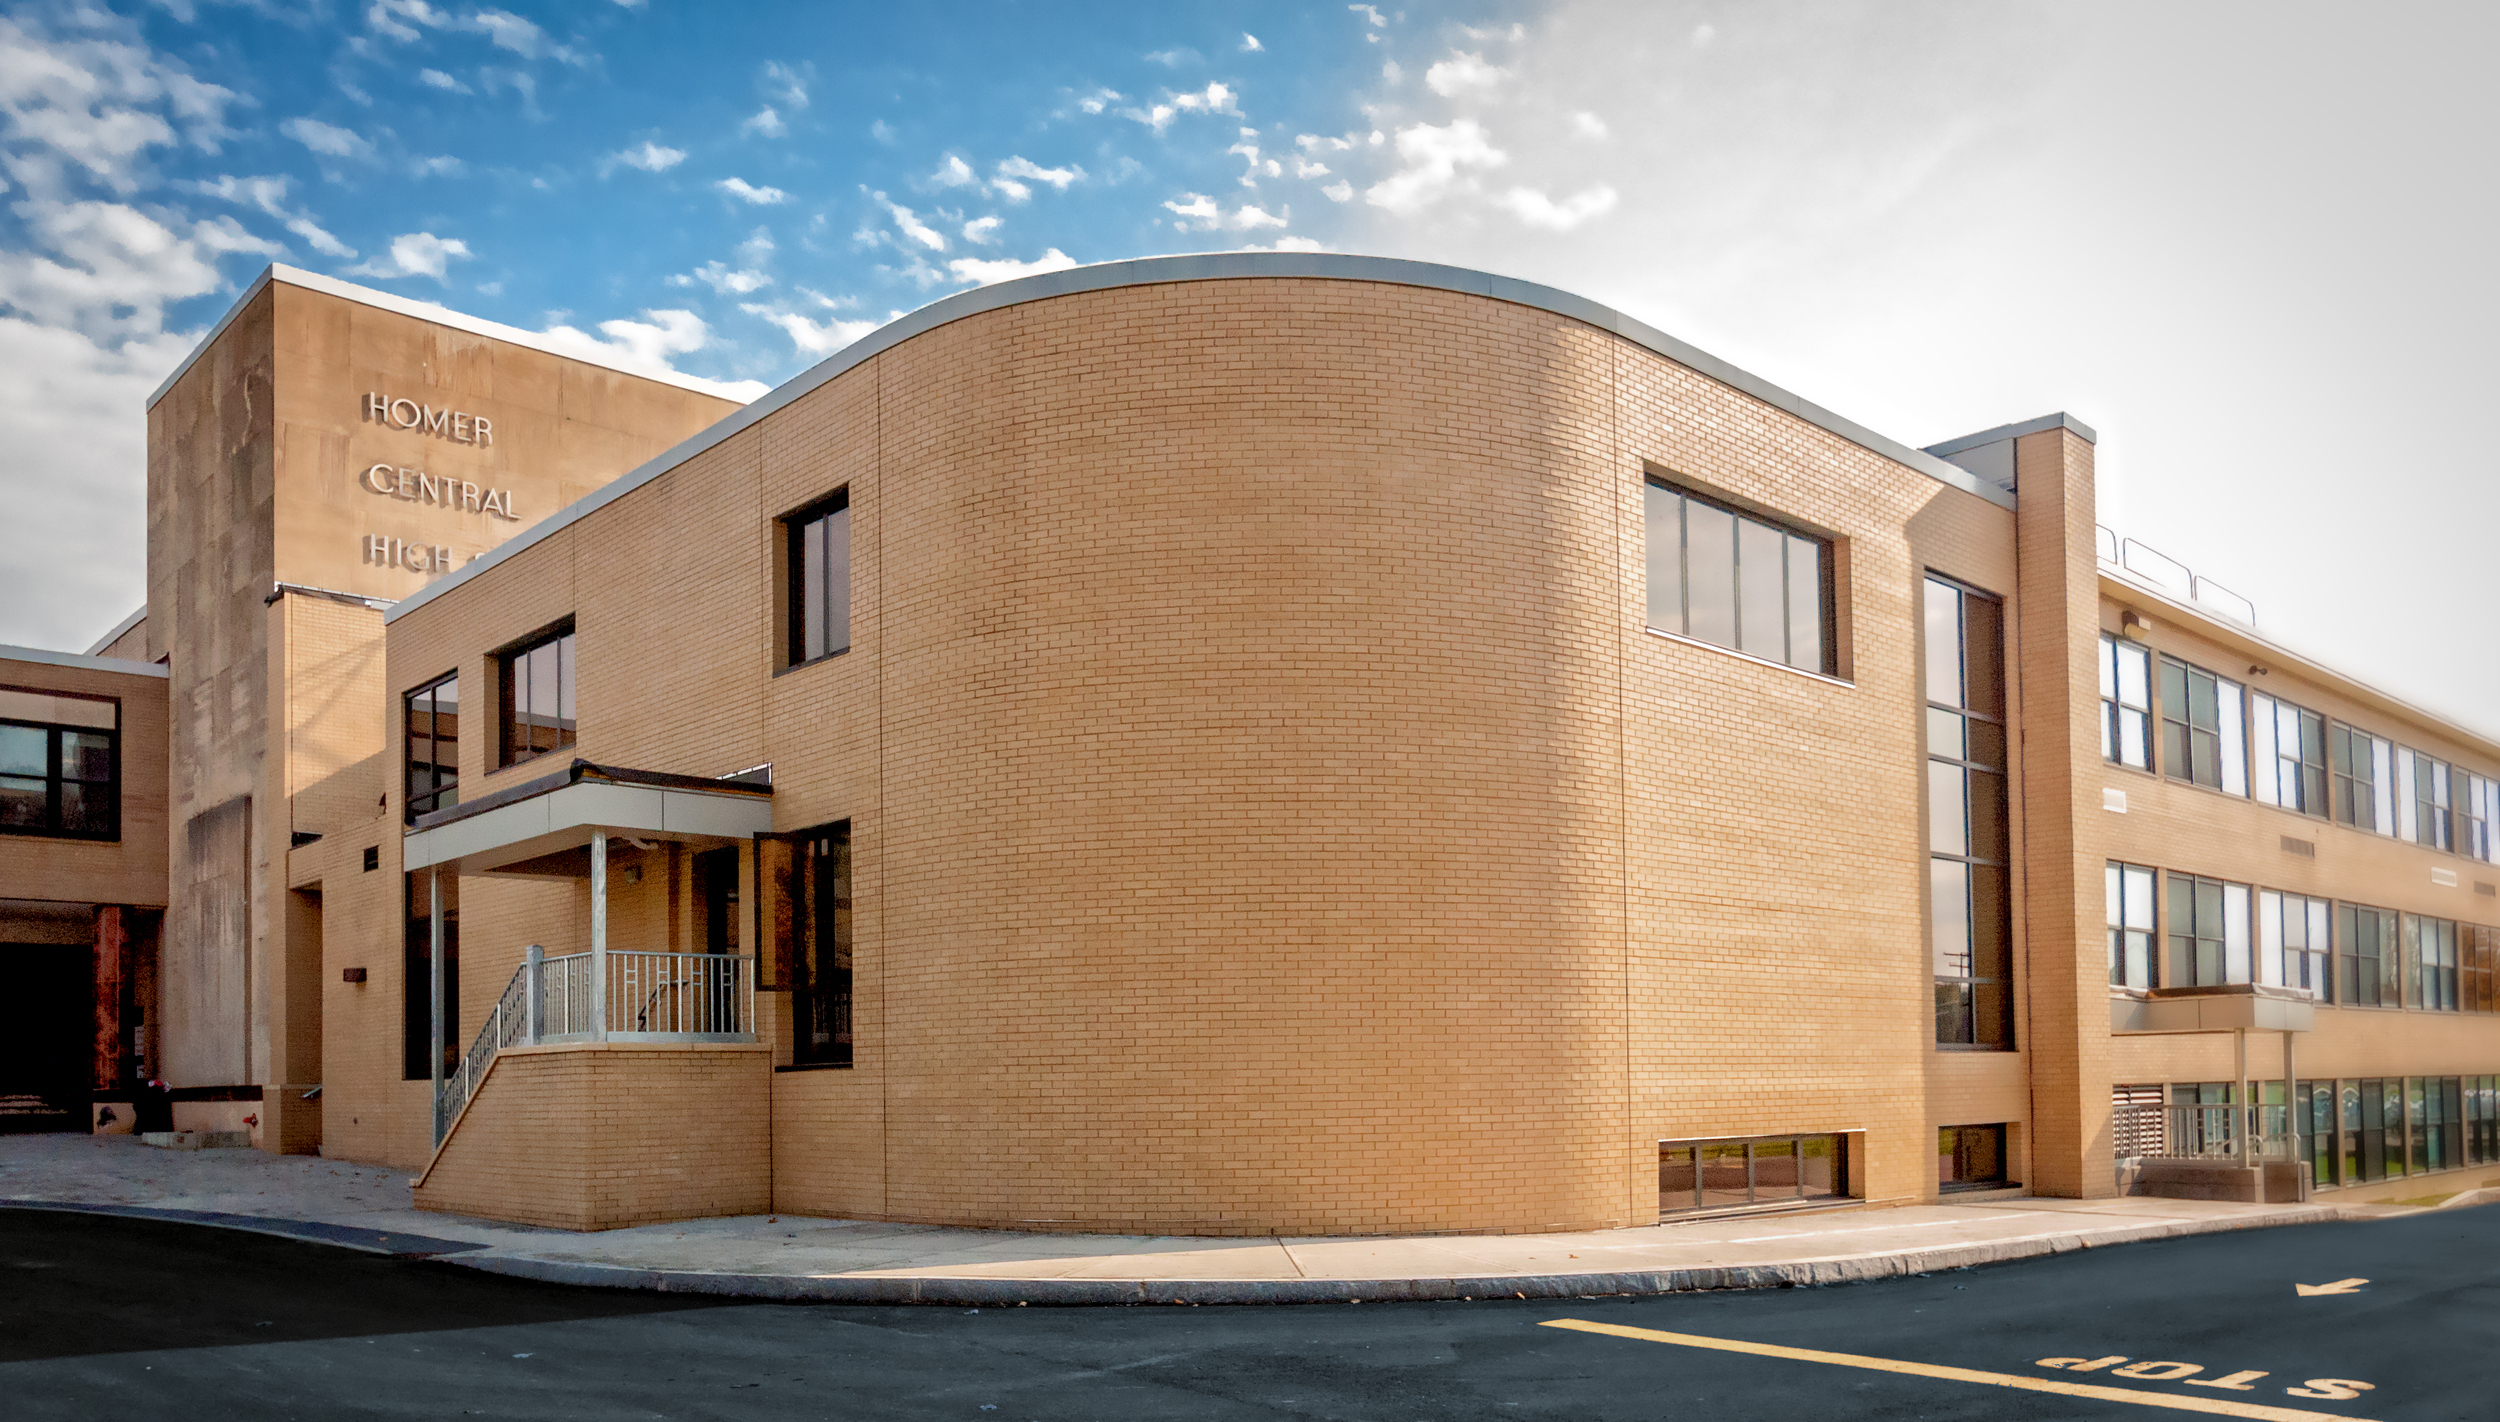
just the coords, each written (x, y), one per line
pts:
(1987, 744)
(838, 580)
(2268, 779)
(87, 809)
(564, 686)
(1678, 1185)
(1819, 1168)
(23, 802)
(1983, 649)
(25, 750)
(1805, 604)
(810, 611)
(1774, 1170)
(2233, 740)
(2235, 948)
(1762, 607)
(2134, 676)
(1987, 816)
(2109, 667)
(1944, 734)
(2132, 747)
(1710, 573)
(1948, 821)
(1954, 1009)
(86, 755)
(1944, 644)
(1662, 529)
(1723, 1175)
(1949, 887)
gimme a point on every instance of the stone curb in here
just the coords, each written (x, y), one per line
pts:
(983, 1291)
(396, 1243)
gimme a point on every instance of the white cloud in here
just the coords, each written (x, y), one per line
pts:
(1216, 98)
(784, 85)
(1371, 13)
(1464, 73)
(1434, 158)
(881, 131)
(328, 140)
(1392, 73)
(1314, 143)
(268, 194)
(116, 268)
(1339, 191)
(444, 166)
(1175, 58)
(1011, 176)
(1287, 244)
(744, 191)
(644, 347)
(648, 156)
(1588, 125)
(986, 271)
(1250, 43)
(416, 254)
(766, 121)
(401, 20)
(724, 279)
(1098, 100)
(1197, 212)
(437, 79)
(1305, 168)
(1537, 210)
(983, 230)
(812, 337)
(955, 173)
(96, 102)
(1703, 34)
(909, 224)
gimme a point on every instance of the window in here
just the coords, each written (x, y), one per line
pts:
(2478, 968)
(1970, 1158)
(2422, 809)
(2436, 1109)
(2317, 1098)
(716, 897)
(820, 579)
(820, 966)
(433, 746)
(2291, 755)
(1967, 844)
(60, 765)
(2126, 703)
(417, 979)
(2430, 963)
(2481, 1110)
(2477, 818)
(535, 682)
(2366, 966)
(1741, 1174)
(2130, 889)
(1720, 576)
(2364, 778)
(2208, 932)
(2201, 728)
(2292, 939)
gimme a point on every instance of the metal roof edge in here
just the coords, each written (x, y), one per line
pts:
(422, 311)
(82, 663)
(109, 638)
(2060, 420)
(1209, 266)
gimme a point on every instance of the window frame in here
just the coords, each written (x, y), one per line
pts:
(2342, 739)
(794, 527)
(1991, 1028)
(835, 994)
(2313, 780)
(568, 733)
(2275, 950)
(2182, 736)
(2233, 909)
(2115, 709)
(1827, 571)
(56, 777)
(434, 797)
(2129, 943)
(2386, 958)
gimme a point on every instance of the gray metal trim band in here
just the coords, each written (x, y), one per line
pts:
(2060, 420)
(72, 659)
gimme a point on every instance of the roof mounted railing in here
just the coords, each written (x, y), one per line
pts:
(2148, 564)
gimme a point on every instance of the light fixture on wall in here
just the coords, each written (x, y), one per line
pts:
(2133, 627)
(633, 873)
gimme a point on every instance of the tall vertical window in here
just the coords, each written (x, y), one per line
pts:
(2293, 935)
(2364, 773)
(2422, 794)
(2208, 932)
(2477, 817)
(416, 1030)
(432, 748)
(820, 579)
(2366, 963)
(1967, 843)
(820, 967)
(2201, 728)
(2290, 747)
(2130, 890)
(2482, 1119)
(2126, 703)
(2478, 968)
(535, 686)
(60, 765)
(2430, 963)
(1720, 576)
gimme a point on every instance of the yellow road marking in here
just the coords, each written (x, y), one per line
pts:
(2212, 1406)
(2340, 1286)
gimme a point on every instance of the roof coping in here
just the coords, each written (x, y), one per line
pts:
(83, 663)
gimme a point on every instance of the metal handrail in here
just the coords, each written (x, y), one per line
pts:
(2200, 1132)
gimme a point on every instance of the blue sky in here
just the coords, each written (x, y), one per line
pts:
(2246, 242)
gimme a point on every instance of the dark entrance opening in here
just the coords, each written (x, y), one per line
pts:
(45, 1056)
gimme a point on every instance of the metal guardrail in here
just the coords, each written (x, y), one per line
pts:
(2199, 1132)
(650, 997)
(2152, 565)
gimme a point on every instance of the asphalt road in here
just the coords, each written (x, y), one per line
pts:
(115, 1318)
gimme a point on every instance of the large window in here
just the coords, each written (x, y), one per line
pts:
(2422, 808)
(1967, 842)
(1738, 1174)
(60, 765)
(433, 746)
(2364, 768)
(820, 579)
(2478, 968)
(2481, 1109)
(2126, 703)
(2208, 932)
(1720, 576)
(535, 688)
(2130, 890)
(1970, 1158)
(2291, 755)
(2478, 817)
(820, 961)
(416, 1033)
(2293, 935)
(2201, 721)
(2430, 963)
(2367, 968)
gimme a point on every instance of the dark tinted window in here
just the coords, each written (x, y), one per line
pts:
(433, 746)
(537, 697)
(820, 579)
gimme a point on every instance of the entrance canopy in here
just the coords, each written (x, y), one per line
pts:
(543, 829)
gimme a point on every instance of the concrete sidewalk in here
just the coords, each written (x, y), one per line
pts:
(788, 1257)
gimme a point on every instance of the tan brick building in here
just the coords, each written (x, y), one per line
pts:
(1299, 743)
